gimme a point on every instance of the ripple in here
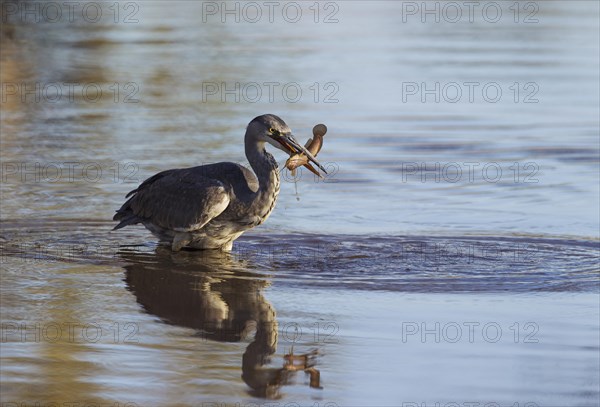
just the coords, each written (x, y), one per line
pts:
(426, 263)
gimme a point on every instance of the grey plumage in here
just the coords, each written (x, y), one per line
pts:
(209, 206)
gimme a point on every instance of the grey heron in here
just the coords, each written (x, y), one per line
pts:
(209, 206)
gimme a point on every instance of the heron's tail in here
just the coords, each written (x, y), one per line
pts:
(126, 218)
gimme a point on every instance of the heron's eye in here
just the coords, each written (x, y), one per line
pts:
(273, 131)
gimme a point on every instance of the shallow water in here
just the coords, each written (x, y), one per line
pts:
(451, 256)
(392, 319)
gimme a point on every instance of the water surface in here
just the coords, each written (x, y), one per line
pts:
(451, 256)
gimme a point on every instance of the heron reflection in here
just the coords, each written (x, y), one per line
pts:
(215, 295)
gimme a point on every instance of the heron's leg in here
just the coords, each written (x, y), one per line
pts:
(180, 240)
(315, 377)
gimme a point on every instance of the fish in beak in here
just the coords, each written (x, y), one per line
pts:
(291, 145)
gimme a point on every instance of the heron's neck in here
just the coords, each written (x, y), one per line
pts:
(265, 167)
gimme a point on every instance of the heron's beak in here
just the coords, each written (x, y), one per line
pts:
(290, 143)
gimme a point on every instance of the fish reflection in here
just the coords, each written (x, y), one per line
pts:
(214, 294)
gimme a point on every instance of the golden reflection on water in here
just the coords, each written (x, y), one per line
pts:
(53, 355)
(211, 293)
(42, 351)
(169, 55)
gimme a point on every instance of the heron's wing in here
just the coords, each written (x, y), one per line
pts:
(180, 200)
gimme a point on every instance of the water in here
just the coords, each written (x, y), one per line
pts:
(451, 256)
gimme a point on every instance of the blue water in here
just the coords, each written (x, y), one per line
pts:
(462, 198)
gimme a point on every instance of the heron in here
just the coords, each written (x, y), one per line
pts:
(209, 206)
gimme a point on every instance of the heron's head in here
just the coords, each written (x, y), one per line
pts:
(271, 129)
